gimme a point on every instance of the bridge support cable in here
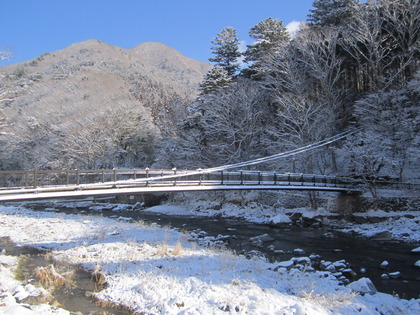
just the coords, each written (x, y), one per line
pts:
(220, 169)
(307, 148)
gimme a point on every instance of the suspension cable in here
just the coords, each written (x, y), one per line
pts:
(307, 148)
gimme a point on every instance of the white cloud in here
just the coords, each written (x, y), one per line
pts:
(293, 27)
(242, 46)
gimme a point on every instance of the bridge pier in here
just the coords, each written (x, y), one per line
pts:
(149, 200)
(348, 203)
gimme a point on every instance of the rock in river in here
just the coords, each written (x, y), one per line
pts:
(416, 250)
(363, 286)
(394, 275)
(384, 264)
(285, 264)
(382, 236)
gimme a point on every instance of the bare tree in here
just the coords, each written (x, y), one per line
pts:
(366, 161)
(388, 140)
(383, 41)
(316, 53)
(402, 25)
(234, 123)
(394, 116)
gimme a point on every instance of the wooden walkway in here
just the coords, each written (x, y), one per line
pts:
(48, 184)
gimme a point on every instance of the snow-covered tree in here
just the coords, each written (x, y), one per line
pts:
(214, 80)
(235, 123)
(382, 43)
(226, 50)
(331, 12)
(269, 35)
(388, 141)
(395, 116)
(401, 26)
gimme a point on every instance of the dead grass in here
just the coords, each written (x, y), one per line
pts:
(117, 306)
(177, 251)
(99, 278)
(51, 279)
(162, 249)
(331, 300)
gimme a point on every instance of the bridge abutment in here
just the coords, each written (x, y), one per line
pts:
(348, 203)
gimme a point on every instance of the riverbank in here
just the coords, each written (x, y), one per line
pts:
(158, 270)
(399, 223)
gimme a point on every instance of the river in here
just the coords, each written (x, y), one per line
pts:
(277, 244)
(362, 254)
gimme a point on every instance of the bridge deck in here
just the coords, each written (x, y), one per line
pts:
(143, 188)
(49, 184)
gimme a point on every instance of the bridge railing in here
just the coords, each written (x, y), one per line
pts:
(39, 178)
(36, 178)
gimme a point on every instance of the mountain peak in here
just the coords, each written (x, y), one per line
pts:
(168, 59)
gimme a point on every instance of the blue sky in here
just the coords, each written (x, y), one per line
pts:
(30, 28)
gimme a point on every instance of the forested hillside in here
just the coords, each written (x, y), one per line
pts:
(353, 65)
(93, 105)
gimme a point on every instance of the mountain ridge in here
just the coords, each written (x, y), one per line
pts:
(93, 89)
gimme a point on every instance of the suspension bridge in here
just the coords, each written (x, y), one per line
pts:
(54, 184)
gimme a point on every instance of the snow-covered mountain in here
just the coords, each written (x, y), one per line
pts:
(90, 90)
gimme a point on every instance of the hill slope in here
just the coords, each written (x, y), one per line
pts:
(93, 104)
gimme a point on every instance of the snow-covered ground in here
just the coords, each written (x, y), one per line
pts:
(157, 270)
(403, 226)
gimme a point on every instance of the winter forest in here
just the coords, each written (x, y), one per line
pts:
(352, 66)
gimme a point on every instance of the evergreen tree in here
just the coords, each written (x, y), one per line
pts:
(226, 51)
(269, 35)
(215, 79)
(331, 12)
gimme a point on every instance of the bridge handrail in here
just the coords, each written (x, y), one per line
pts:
(98, 177)
(37, 178)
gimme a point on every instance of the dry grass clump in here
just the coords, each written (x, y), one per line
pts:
(98, 277)
(177, 251)
(51, 279)
(331, 300)
(163, 249)
(114, 305)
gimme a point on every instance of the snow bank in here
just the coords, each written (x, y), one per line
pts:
(399, 228)
(157, 270)
(281, 218)
(169, 210)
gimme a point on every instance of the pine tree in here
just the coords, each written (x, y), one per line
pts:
(226, 51)
(214, 80)
(331, 12)
(269, 34)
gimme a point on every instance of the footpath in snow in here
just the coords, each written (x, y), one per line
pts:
(158, 270)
